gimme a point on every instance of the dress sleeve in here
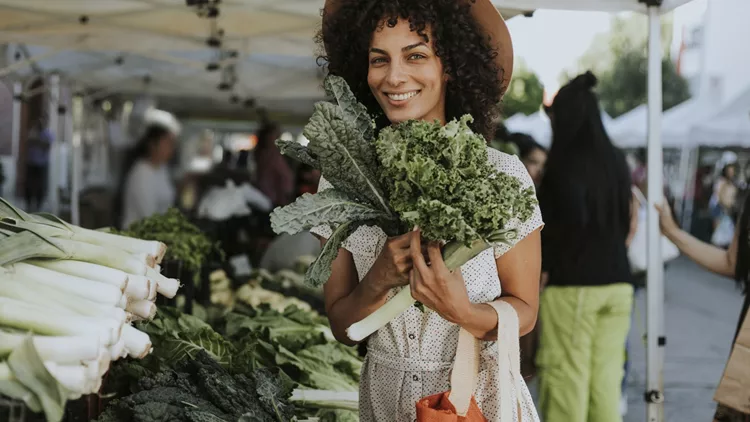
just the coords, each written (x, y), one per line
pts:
(511, 165)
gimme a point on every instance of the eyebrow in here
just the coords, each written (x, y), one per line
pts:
(407, 48)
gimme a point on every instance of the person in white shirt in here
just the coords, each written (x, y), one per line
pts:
(147, 188)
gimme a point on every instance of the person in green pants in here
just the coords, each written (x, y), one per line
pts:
(585, 309)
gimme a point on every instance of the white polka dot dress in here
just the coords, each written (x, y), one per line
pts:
(411, 357)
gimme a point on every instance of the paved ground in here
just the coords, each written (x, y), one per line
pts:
(701, 315)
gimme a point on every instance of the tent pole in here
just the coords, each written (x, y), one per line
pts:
(15, 136)
(54, 148)
(656, 339)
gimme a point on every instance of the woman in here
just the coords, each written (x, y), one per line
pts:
(273, 174)
(734, 262)
(438, 60)
(147, 188)
(532, 155)
(586, 305)
(722, 202)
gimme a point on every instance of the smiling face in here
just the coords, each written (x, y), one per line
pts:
(405, 75)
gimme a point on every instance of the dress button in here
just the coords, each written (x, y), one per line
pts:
(415, 378)
(412, 336)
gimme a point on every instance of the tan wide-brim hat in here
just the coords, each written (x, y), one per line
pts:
(489, 20)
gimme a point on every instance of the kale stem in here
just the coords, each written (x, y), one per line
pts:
(457, 254)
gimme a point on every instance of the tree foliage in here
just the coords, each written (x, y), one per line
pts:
(620, 61)
(525, 94)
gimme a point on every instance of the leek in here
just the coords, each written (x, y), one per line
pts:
(85, 270)
(20, 315)
(167, 287)
(129, 244)
(346, 400)
(93, 290)
(139, 287)
(70, 350)
(137, 343)
(142, 308)
(26, 244)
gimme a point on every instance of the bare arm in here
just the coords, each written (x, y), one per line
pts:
(634, 206)
(519, 270)
(348, 300)
(708, 256)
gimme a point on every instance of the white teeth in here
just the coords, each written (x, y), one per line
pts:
(402, 97)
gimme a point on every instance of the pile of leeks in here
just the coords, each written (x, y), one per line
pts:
(68, 296)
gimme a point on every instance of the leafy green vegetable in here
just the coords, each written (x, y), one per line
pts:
(187, 243)
(440, 179)
(200, 389)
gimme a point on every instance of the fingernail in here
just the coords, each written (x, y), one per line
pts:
(415, 228)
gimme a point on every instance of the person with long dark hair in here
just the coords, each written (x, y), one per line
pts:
(586, 305)
(146, 188)
(732, 262)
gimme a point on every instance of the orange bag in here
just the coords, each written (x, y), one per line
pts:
(459, 405)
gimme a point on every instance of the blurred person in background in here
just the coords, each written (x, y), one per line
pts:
(586, 305)
(285, 250)
(532, 155)
(38, 143)
(274, 176)
(147, 187)
(733, 262)
(723, 199)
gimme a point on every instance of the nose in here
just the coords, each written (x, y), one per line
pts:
(396, 74)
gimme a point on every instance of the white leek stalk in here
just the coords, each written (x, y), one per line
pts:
(137, 343)
(64, 350)
(17, 314)
(389, 311)
(104, 294)
(117, 350)
(130, 244)
(139, 287)
(85, 270)
(123, 302)
(35, 293)
(167, 287)
(75, 378)
(347, 400)
(142, 308)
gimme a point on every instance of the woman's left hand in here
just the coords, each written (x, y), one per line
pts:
(435, 286)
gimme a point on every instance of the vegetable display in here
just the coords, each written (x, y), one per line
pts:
(413, 174)
(68, 296)
(187, 243)
(292, 351)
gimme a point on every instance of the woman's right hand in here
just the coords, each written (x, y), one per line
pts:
(391, 268)
(667, 224)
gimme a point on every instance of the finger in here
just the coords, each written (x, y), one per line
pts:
(413, 282)
(436, 258)
(416, 256)
(403, 241)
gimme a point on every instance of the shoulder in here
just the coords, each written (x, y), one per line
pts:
(510, 165)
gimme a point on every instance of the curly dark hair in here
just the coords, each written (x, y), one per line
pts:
(463, 48)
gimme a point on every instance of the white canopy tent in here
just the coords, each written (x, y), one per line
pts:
(537, 125)
(729, 127)
(631, 129)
